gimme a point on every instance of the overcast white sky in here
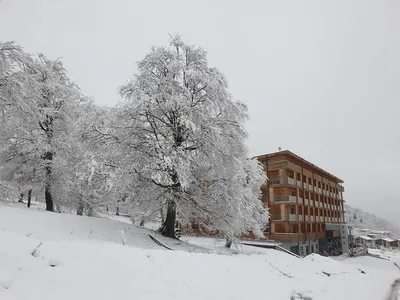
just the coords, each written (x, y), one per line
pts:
(320, 79)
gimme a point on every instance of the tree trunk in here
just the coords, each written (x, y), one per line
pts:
(162, 215)
(49, 198)
(228, 243)
(168, 228)
(79, 210)
(29, 198)
(47, 189)
(89, 210)
(81, 206)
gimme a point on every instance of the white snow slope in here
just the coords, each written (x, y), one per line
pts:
(84, 258)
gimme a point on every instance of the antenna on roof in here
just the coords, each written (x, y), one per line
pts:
(279, 148)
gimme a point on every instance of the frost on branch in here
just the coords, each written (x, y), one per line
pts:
(38, 103)
(181, 140)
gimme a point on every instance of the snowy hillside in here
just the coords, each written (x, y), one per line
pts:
(56, 256)
(361, 219)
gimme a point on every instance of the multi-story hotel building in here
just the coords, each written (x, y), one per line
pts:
(305, 204)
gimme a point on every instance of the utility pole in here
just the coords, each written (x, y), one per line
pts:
(351, 252)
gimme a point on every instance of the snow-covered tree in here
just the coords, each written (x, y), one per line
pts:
(16, 86)
(88, 183)
(181, 141)
(39, 101)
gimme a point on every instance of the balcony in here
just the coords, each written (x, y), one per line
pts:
(301, 200)
(306, 218)
(312, 218)
(311, 235)
(319, 190)
(305, 201)
(284, 217)
(288, 237)
(311, 202)
(301, 218)
(299, 183)
(284, 198)
(285, 180)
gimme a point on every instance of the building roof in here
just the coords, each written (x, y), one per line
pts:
(388, 240)
(380, 232)
(302, 160)
(367, 238)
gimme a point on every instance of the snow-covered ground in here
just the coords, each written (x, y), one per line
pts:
(85, 258)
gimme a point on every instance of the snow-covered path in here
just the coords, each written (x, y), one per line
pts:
(84, 258)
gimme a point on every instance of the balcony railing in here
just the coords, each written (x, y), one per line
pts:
(284, 198)
(284, 217)
(311, 235)
(288, 237)
(284, 180)
(298, 183)
(296, 237)
(305, 201)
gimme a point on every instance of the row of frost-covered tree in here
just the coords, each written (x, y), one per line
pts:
(174, 148)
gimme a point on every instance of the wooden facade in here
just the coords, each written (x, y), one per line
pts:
(301, 197)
